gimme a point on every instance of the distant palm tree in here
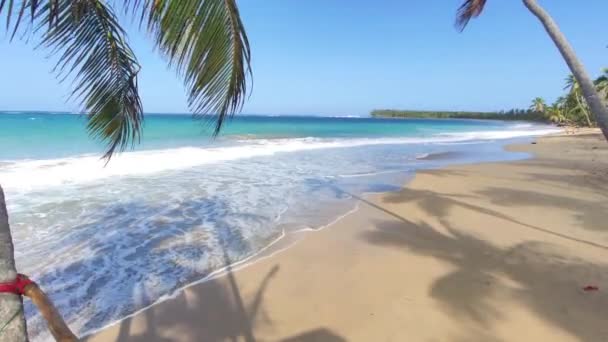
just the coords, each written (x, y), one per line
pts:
(204, 40)
(575, 96)
(555, 113)
(473, 8)
(601, 84)
(538, 105)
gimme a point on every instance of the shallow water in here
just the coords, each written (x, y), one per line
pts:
(107, 241)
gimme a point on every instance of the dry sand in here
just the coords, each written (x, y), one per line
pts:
(489, 252)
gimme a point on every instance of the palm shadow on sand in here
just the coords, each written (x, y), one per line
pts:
(547, 282)
(232, 318)
(221, 313)
(217, 310)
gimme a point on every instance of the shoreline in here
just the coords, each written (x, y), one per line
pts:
(287, 240)
(103, 334)
(162, 250)
(277, 246)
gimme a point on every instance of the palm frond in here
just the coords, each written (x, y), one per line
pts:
(468, 10)
(538, 105)
(601, 82)
(16, 11)
(91, 47)
(206, 43)
(571, 83)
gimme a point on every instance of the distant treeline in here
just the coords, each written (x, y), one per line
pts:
(513, 114)
(571, 109)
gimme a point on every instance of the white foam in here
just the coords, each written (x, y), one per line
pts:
(348, 117)
(367, 174)
(522, 125)
(491, 135)
(233, 267)
(40, 174)
(151, 235)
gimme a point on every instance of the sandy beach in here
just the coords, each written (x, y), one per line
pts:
(486, 252)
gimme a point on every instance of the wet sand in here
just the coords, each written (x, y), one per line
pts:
(486, 252)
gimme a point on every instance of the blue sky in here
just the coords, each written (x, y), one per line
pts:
(340, 57)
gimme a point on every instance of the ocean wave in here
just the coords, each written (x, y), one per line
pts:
(367, 174)
(506, 134)
(39, 174)
(348, 117)
(160, 222)
(522, 125)
(438, 155)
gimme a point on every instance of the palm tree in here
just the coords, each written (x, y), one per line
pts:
(538, 105)
(575, 97)
(555, 113)
(601, 84)
(204, 40)
(473, 8)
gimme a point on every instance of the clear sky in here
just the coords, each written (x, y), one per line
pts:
(340, 57)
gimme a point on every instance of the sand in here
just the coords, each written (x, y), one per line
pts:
(487, 252)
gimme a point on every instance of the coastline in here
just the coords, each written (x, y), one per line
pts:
(288, 239)
(139, 230)
(307, 276)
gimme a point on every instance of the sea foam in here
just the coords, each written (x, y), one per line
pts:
(108, 240)
(31, 175)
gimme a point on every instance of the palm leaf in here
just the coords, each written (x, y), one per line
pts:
(91, 47)
(206, 43)
(203, 39)
(468, 10)
(602, 83)
(571, 84)
(15, 12)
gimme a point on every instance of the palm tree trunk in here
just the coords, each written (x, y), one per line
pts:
(11, 306)
(585, 111)
(591, 96)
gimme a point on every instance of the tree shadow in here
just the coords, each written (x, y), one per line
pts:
(135, 265)
(316, 335)
(590, 182)
(546, 281)
(214, 311)
(539, 275)
(438, 205)
(591, 214)
(568, 169)
(113, 263)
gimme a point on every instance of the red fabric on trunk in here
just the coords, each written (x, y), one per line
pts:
(17, 286)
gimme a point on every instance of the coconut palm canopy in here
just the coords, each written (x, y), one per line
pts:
(571, 108)
(468, 10)
(587, 97)
(575, 104)
(602, 83)
(204, 40)
(538, 105)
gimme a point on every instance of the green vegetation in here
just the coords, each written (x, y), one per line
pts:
(584, 105)
(513, 114)
(571, 109)
(203, 40)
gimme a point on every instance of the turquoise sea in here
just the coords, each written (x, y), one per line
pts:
(106, 241)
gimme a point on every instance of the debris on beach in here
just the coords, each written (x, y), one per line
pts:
(590, 288)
